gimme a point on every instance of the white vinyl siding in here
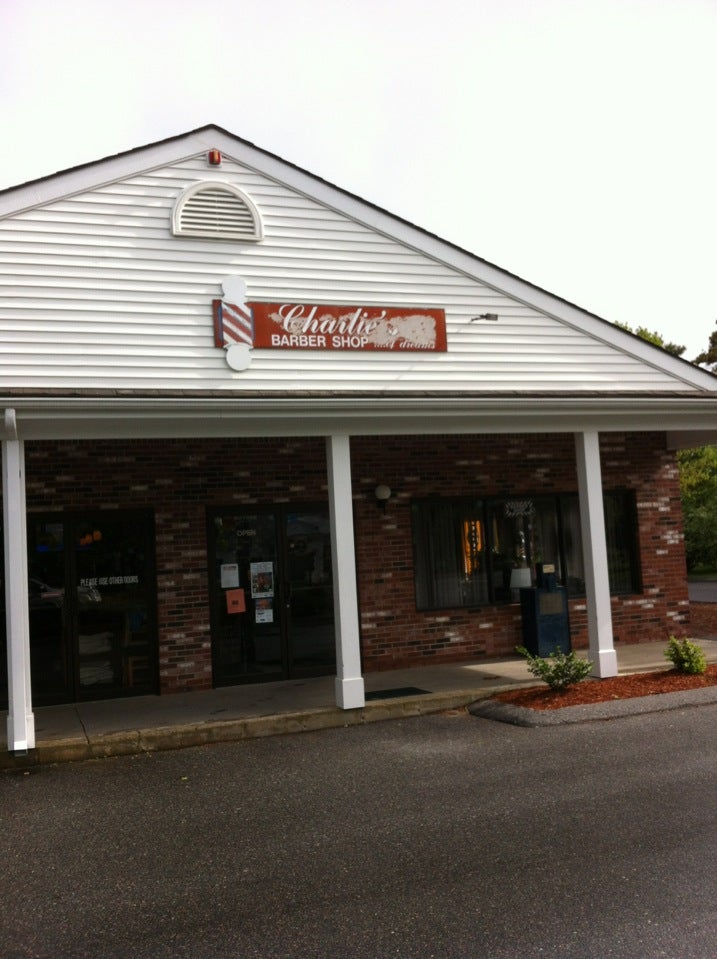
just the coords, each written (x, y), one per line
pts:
(96, 293)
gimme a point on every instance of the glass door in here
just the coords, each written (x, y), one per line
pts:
(113, 605)
(50, 654)
(245, 601)
(91, 599)
(271, 595)
(310, 594)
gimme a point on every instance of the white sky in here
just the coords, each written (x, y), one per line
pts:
(572, 142)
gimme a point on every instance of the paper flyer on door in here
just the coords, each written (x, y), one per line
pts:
(235, 601)
(263, 611)
(262, 580)
(229, 573)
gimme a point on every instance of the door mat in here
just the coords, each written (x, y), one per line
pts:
(394, 693)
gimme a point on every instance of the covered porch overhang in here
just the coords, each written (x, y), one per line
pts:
(686, 419)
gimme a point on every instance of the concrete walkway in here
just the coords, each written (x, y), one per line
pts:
(147, 723)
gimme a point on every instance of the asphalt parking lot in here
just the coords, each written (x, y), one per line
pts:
(439, 836)
(703, 591)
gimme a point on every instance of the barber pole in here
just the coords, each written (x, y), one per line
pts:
(232, 323)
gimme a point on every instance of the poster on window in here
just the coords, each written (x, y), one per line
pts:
(235, 601)
(229, 573)
(262, 580)
(263, 611)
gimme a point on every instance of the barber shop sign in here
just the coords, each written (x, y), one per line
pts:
(240, 327)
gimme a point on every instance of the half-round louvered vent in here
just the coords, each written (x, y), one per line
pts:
(217, 210)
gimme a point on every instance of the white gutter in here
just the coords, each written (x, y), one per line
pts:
(115, 417)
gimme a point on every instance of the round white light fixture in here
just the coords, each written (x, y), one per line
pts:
(382, 494)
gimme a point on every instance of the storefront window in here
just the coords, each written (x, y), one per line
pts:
(91, 603)
(523, 533)
(622, 549)
(449, 541)
(466, 550)
(572, 546)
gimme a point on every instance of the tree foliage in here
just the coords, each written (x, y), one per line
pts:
(698, 471)
(698, 488)
(708, 357)
(651, 336)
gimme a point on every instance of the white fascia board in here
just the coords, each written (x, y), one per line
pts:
(92, 176)
(97, 418)
(144, 159)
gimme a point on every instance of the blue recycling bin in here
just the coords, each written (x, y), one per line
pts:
(546, 626)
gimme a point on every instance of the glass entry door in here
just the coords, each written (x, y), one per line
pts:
(271, 594)
(50, 659)
(91, 585)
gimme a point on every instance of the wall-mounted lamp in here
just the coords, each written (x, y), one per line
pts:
(214, 158)
(383, 495)
(491, 317)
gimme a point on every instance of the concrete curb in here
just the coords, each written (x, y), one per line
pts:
(480, 703)
(521, 716)
(136, 741)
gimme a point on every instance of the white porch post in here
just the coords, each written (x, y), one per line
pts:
(592, 525)
(20, 718)
(349, 681)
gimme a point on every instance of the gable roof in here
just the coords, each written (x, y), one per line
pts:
(90, 175)
(674, 376)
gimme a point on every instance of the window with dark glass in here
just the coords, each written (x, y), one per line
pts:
(466, 551)
(449, 538)
(622, 548)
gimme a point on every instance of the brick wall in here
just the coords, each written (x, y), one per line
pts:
(395, 634)
(179, 479)
(703, 620)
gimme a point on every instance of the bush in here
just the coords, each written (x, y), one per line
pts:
(686, 656)
(560, 671)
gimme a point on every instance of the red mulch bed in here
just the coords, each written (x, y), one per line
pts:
(604, 690)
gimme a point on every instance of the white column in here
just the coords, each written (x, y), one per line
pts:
(592, 525)
(349, 681)
(20, 718)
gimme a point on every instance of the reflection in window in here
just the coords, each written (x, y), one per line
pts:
(450, 550)
(572, 546)
(472, 546)
(465, 550)
(621, 536)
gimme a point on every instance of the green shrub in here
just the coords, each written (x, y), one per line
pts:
(560, 670)
(686, 656)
